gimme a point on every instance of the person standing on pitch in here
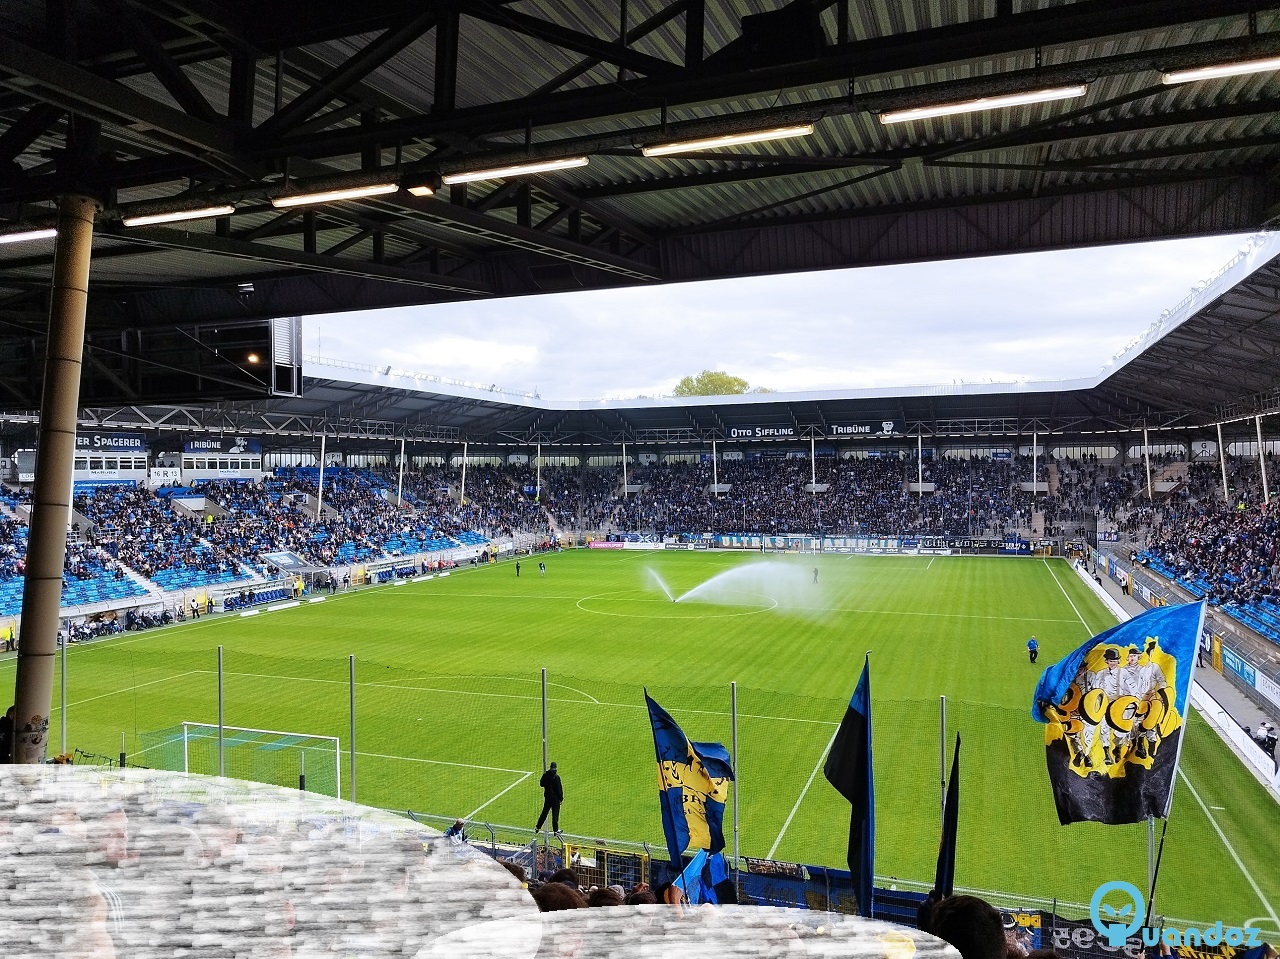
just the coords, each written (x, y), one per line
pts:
(815, 574)
(552, 797)
(517, 569)
(1033, 648)
(542, 569)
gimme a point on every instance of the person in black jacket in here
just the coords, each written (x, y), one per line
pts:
(552, 797)
(6, 736)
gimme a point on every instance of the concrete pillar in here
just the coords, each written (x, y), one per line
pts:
(55, 456)
(1262, 462)
(1222, 462)
(1146, 456)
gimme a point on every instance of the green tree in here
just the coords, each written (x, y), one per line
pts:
(711, 383)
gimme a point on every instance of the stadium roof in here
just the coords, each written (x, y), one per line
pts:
(166, 103)
(1211, 358)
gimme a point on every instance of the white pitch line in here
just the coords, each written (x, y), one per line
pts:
(507, 679)
(567, 702)
(129, 689)
(792, 814)
(441, 762)
(476, 811)
(1088, 628)
(930, 566)
(1231, 849)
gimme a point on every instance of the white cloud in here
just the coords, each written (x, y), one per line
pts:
(1038, 316)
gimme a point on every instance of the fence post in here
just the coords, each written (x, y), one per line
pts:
(122, 753)
(544, 719)
(220, 727)
(942, 756)
(62, 705)
(733, 727)
(351, 672)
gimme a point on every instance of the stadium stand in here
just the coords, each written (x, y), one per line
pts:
(143, 531)
(91, 575)
(1224, 552)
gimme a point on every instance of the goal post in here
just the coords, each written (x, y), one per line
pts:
(293, 760)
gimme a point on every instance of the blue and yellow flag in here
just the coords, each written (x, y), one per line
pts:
(1114, 712)
(693, 784)
(849, 769)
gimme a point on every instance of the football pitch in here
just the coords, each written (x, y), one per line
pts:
(449, 720)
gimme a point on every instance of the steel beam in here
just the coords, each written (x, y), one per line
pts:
(158, 61)
(260, 253)
(478, 225)
(69, 87)
(605, 51)
(445, 92)
(29, 127)
(343, 76)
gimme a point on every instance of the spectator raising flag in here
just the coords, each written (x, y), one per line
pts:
(1114, 712)
(848, 768)
(944, 877)
(693, 783)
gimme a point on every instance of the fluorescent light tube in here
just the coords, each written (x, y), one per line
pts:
(728, 140)
(25, 235)
(984, 103)
(174, 216)
(328, 196)
(1237, 69)
(516, 169)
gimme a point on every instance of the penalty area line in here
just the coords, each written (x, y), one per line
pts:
(794, 809)
(441, 762)
(475, 812)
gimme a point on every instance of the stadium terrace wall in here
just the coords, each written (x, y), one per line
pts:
(1033, 923)
(860, 545)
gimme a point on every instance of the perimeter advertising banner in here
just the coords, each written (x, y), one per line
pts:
(877, 428)
(763, 432)
(111, 443)
(223, 444)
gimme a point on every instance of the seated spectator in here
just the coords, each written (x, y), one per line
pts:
(609, 896)
(457, 833)
(970, 924)
(555, 896)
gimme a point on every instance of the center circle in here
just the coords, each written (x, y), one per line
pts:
(646, 604)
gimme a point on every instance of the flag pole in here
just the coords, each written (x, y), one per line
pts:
(942, 756)
(1151, 859)
(544, 719)
(1155, 866)
(733, 733)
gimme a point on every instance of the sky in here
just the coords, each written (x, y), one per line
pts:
(1031, 316)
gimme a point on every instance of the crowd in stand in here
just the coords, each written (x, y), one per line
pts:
(143, 532)
(13, 548)
(1233, 548)
(848, 497)
(972, 925)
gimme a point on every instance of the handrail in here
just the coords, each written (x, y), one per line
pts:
(412, 374)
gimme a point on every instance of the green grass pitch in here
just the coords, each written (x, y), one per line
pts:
(449, 721)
